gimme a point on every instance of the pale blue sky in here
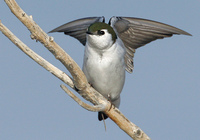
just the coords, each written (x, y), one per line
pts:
(162, 96)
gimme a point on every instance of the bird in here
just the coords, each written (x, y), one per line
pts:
(110, 48)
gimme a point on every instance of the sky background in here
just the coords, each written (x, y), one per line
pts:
(162, 96)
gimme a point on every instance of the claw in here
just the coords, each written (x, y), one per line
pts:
(109, 99)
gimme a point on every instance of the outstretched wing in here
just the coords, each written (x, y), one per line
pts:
(136, 32)
(77, 28)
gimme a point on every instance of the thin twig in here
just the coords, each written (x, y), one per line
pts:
(96, 108)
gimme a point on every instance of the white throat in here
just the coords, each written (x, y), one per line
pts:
(100, 42)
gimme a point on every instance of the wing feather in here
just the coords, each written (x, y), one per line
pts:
(136, 32)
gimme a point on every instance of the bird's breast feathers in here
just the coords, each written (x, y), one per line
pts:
(105, 70)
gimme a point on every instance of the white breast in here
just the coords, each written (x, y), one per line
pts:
(105, 70)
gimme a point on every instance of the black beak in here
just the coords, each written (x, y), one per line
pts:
(88, 32)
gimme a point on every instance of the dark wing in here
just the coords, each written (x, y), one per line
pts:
(136, 32)
(77, 28)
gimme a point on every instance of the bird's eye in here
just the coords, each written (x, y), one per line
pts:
(101, 32)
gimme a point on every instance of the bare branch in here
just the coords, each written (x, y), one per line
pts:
(37, 58)
(38, 34)
(79, 79)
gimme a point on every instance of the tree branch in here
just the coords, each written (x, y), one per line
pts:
(37, 58)
(79, 79)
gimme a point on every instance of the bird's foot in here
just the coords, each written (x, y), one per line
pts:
(109, 99)
(90, 84)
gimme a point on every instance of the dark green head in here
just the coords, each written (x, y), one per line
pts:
(96, 29)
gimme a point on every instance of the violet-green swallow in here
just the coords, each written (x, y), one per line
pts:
(110, 48)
